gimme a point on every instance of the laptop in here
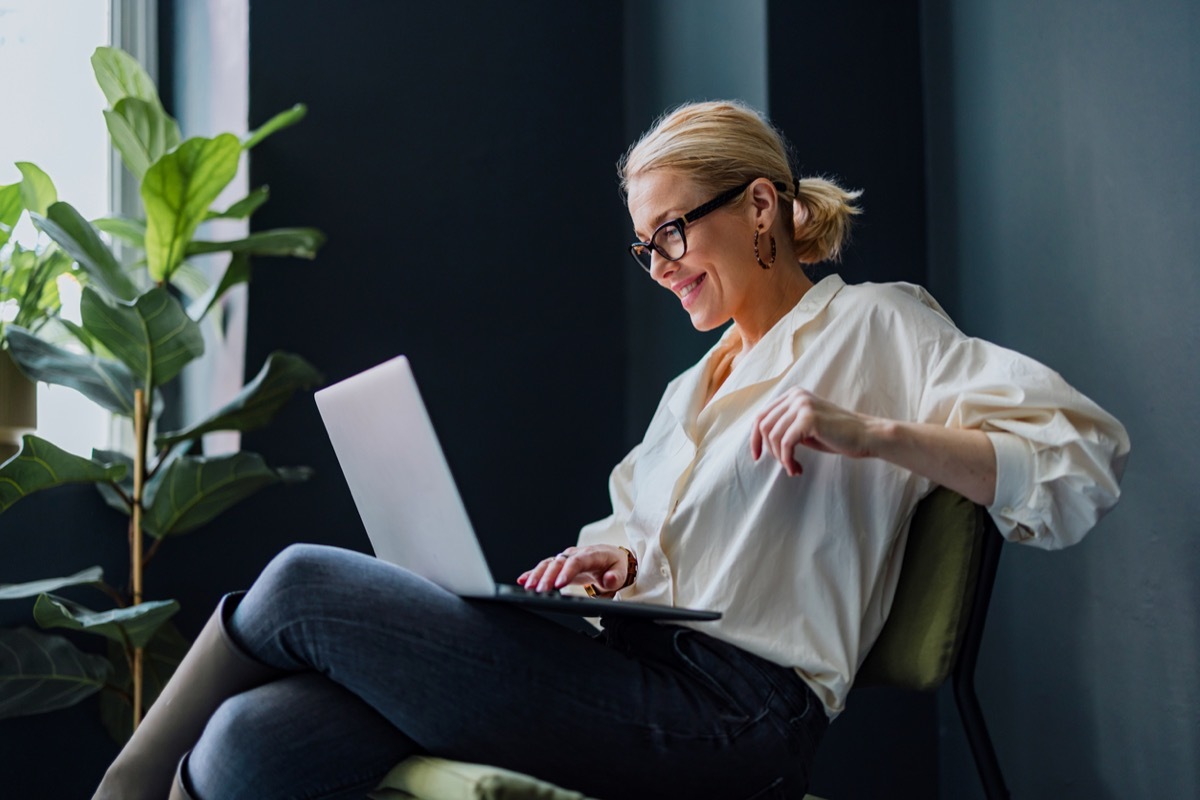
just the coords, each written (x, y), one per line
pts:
(410, 505)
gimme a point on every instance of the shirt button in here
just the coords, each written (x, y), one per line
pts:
(664, 571)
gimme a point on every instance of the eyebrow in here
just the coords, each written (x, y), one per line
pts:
(659, 220)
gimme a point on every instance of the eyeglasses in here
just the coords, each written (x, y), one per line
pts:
(668, 239)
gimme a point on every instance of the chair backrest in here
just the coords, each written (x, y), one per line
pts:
(935, 594)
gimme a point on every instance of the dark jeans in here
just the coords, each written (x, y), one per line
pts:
(383, 664)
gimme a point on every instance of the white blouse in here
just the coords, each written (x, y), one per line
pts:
(804, 568)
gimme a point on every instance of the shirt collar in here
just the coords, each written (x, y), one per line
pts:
(771, 357)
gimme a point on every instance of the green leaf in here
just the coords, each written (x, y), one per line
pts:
(191, 281)
(242, 208)
(132, 626)
(284, 119)
(196, 489)
(237, 272)
(162, 656)
(14, 591)
(10, 210)
(177, 191)
(142, 132)
(160, 472)
(40, 673)
(108, 491)
(108, 383)
(153, 336)
(40, 465)
(79, 333)
(37, 190)
(39, 299)
(79, 239)
(258, 401)
(297, 242)
(120, 76)
(129, 230)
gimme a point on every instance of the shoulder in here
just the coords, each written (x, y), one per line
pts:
(900, 299)
(895, 309)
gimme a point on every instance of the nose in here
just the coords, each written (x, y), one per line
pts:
(661, 268)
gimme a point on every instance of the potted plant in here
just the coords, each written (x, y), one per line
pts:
(138, 331)
(28, 297)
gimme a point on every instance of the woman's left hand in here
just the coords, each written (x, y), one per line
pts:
(799, 417)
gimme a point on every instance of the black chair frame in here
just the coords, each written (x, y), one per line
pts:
(963, 674)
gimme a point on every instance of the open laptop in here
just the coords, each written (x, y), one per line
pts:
(410, 506)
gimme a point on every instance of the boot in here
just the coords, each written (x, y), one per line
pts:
(213, 669)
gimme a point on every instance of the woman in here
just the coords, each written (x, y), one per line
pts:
(775, 483)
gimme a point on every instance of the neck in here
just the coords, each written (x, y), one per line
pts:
(780, 293)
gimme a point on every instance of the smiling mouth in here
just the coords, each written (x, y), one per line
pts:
(691, 287)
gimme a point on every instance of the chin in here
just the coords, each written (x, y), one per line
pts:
(704, 324)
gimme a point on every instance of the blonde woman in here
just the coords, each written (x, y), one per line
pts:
(774, 483)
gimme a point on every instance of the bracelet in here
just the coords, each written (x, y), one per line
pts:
(631, 569)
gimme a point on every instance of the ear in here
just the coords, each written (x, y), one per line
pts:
(764, 202)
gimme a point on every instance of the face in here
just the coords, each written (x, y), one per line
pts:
(716, 280)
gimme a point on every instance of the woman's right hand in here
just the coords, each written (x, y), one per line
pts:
(604, 566)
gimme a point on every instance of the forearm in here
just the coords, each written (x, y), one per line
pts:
(962, 460)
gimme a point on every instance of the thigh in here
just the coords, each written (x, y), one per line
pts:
(480, 681)
(302, 736)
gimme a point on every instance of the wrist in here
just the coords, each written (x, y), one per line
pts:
(882, 437)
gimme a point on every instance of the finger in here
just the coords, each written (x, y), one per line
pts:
(580, 567)
(791, 439)
(535, 575)
(611, 581)
(552, 569)
(756, 435)
(775, 433)
(766, 424)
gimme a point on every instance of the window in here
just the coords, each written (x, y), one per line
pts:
(53, 118)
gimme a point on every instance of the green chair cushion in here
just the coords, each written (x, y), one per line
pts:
(429, 778)
(919, 641)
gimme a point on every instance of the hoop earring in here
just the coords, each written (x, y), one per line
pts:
(757, 257)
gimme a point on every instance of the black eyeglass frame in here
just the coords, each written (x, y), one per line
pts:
(640, 250)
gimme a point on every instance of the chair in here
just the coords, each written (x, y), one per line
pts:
(933, 632)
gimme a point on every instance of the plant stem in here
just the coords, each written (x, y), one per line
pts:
(151, 552)
(116, 596)
(135, 536)
(117, 488)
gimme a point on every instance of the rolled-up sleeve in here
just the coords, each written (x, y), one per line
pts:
(1059, 456)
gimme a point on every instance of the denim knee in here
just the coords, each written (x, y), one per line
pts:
(226, 761)
(299, 566)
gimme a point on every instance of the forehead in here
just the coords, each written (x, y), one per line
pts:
(658, 196)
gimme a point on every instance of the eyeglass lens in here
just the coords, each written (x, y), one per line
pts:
(668, 240)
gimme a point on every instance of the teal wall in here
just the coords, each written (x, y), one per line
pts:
(1063, 142)
(678, 51)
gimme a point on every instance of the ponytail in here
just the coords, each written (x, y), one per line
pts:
(821, 217)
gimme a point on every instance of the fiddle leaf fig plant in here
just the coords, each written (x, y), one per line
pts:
(140, 327)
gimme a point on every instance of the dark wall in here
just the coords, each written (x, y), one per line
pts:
(461, 165)
(846, 88)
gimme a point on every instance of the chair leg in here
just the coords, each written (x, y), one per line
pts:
(964, 671)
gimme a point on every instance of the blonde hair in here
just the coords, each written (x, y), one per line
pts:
(723, 143)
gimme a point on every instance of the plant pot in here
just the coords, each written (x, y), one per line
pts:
(18, 407)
